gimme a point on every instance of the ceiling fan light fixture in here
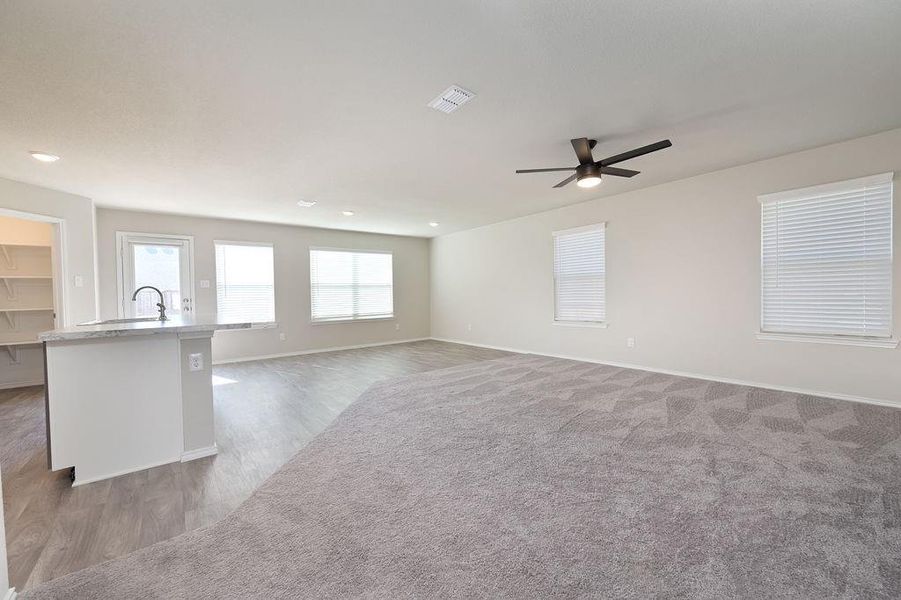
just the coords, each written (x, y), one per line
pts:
(588, 171)
(589, 175)
(589, 181)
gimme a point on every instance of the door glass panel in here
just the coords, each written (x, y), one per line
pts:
(160, 266)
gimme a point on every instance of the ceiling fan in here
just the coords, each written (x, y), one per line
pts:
(588, 172)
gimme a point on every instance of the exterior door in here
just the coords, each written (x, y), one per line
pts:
(163, 261)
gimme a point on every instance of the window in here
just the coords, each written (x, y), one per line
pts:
(245, 282)
(826, 261)
(348, 285)
(580, 275)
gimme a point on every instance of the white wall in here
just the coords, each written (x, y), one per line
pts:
(683, 271)
(292, 280)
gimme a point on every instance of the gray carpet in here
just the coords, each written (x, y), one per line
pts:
(531, 477)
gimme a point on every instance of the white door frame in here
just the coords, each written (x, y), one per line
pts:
(58, 259)
(122, 239)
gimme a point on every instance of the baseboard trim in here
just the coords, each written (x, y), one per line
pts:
(225, 361)
(705, 377)
(17, 384)
(199, 453)
(10, 594)
(79, 482)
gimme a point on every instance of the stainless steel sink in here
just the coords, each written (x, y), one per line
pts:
(115, 321)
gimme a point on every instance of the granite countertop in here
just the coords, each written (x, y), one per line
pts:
(176, 324)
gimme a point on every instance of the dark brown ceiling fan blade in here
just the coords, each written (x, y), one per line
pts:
(634, 153)
(582, 146)
(619, 172)
(545, 170)
(569, 179)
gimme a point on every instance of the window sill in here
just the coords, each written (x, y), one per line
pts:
(259, 325)
(331, 321)
(589, 324)
(829, 339)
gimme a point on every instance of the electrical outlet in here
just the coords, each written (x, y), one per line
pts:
(630, 342)
(195, 362)
(397, 327)
(282, 336)
(469, 327)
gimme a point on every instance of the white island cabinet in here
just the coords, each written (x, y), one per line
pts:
(126, 396)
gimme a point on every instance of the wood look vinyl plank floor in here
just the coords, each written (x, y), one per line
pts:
(265, 412)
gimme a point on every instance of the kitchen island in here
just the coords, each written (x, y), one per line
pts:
(126, 395)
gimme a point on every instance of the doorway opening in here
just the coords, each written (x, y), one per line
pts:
(32, 294)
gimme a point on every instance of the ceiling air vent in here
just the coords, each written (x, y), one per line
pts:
(451, 99)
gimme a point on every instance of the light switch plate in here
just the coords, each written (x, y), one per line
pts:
(79, 281)
(204, 283)
(195, 362)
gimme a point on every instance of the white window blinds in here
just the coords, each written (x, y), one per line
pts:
(351, 284)
(245, 282)
(579, 274)
(827, 259)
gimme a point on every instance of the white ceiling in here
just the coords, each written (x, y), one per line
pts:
(239, 109)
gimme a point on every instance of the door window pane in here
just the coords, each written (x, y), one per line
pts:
(160, 266)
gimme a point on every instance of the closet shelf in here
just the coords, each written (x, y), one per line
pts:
(12, 344)
(18, 245)
(7, 281)
(25, 277)
(23, 339)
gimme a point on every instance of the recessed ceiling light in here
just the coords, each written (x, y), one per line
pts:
(433, 224)
(347, 213)
(44, 157)
(306, 203)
